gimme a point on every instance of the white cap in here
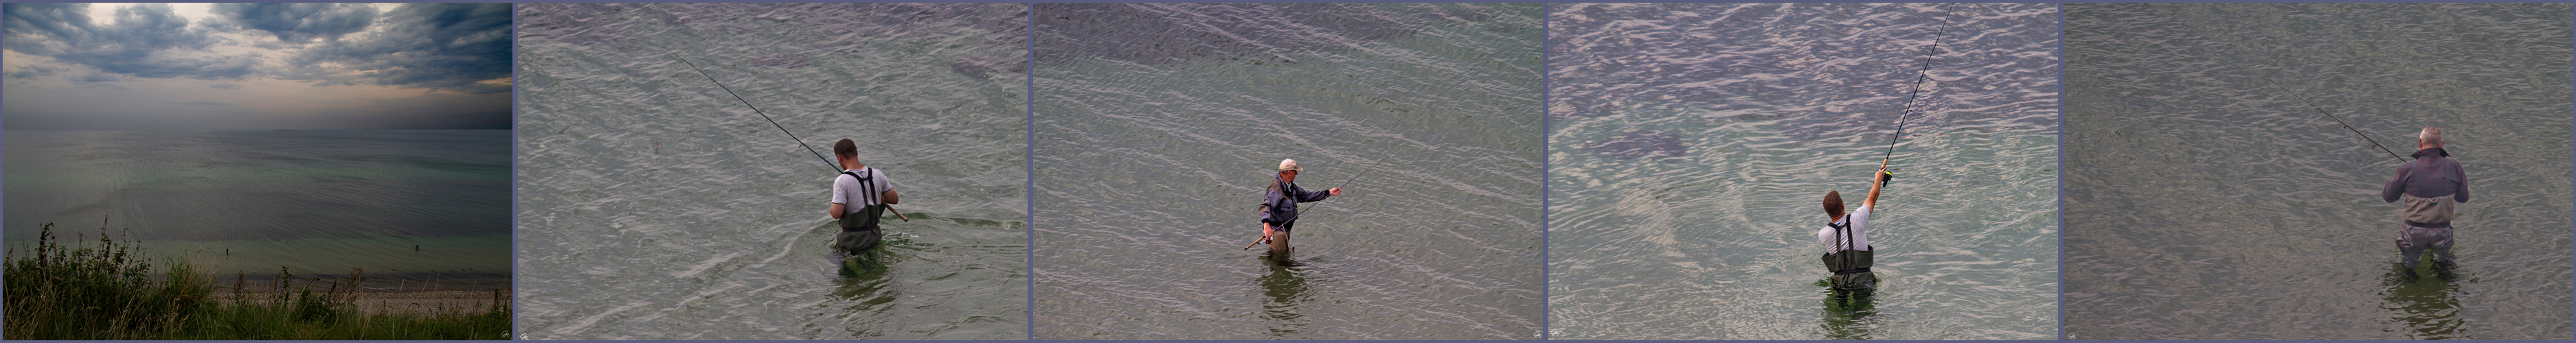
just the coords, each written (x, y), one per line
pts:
(1287, 165)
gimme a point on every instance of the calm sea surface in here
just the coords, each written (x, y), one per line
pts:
(1158, 125)
(2203, 203)
(655, 206)
(402, 204)
(1692, 143)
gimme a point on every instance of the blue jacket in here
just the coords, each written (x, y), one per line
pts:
(1279, 204)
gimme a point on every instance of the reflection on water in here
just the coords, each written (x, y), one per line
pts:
(1286, 290)
(1847, 313)
(2427, 302)
(864, 287)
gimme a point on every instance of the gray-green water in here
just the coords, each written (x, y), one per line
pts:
(654, 206)
(405, 205)
(1692, 143)
(1159, 124)
(2203, 204)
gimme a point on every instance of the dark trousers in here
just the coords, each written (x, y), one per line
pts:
(858, 242)
(2413, 241)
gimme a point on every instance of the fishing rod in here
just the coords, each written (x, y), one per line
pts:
(2276, 85)
(827, 163)
(1266, 238)
(1924, 73)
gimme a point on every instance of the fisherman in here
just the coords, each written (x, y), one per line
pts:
(1846, 239)
(2422, 184)
(1279, 206)
(867, 189)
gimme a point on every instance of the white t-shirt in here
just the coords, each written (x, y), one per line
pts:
(846, 188)
(1859, 228)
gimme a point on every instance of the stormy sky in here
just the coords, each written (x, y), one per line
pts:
(254, 66)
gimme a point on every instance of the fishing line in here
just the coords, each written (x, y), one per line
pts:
(818, 155)
(2276, 85)
(1925, 73)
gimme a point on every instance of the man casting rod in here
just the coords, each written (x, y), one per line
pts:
(1266, 239)
(827, 163)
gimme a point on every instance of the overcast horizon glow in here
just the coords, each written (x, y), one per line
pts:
(196, 66)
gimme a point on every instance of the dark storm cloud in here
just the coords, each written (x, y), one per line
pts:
(437, 46)
(133, 44)
(298, 22)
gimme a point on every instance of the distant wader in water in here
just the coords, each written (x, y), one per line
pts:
(870, 192)
(1279, 206)
(2422, 184)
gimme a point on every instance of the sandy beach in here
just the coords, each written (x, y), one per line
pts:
(409, 293)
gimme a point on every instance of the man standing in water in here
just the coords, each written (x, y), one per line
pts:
(1279, 206)
(2422, 184)
(859, 196)
(1846, 239)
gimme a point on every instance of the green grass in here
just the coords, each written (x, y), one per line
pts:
(64, 290)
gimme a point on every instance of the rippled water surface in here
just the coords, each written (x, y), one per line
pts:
(655, 206)
(401, 204)
(1159, 124)
(2202, 203)
(1692, 142)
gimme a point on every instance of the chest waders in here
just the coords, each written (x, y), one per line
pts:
(859, 229)
(2428, 227)
(1850, 266)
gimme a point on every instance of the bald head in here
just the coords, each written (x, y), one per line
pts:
(2430, 138)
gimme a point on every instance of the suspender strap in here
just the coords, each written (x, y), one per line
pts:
(1842, 229)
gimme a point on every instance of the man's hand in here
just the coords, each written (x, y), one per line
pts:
(1334, 191)
(1883, 175)
(1265, 232)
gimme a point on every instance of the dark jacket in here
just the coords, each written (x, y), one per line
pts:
(1279, 204)
(2422, 182)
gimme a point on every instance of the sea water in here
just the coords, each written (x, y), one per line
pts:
(655, 205)
(1692, 143)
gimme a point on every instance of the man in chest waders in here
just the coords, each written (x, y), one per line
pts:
(1279, 206)
(859, 196)
(2422, 184)
(1846, 240)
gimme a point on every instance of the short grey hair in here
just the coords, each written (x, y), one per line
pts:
(2431, 137)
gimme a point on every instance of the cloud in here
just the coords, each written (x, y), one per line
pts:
(139, 42)
(448, 46)
(226, 85)
(29, 72)
(297, 22)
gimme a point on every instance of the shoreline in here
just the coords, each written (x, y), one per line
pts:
(415, 293)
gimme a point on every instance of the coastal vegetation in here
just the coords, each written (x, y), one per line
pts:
(73, 289)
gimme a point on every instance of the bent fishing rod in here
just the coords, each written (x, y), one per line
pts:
(2276, 85)
(1266, 238)
(827, 163)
